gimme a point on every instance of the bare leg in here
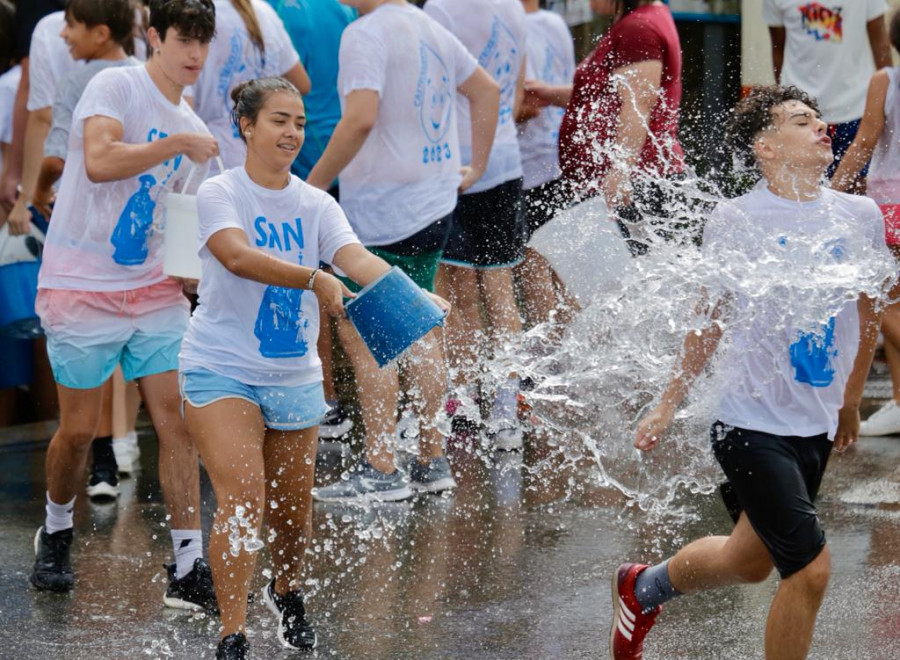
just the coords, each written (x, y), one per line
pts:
(126, 404)
(535, 280)
(324, 348)
(717, 561)
(290, 464)
(68, 451)
(428, 374)
(500, 302)
(179, 473)
(230, 435)
(464, 328)
(379, 391)
(892, 355)
(792, 617)
(43, 390)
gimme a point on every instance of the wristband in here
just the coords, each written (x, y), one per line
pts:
(312, 279)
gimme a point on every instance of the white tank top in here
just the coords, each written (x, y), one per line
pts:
(884, 172)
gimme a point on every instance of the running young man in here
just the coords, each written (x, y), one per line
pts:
(795, 382)
(103, 298)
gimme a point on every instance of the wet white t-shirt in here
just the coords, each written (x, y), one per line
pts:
(551, 59)
(234, 58)
(406, 174)
(827, 52)
(794, 271)
(108, 236)
(494, 32)
(254, 333)
(49, 61)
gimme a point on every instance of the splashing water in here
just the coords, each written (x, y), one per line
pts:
(242, 533)
(618, 354)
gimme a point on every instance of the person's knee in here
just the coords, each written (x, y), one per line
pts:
(815, 575)
(755, 571)
(77, 433)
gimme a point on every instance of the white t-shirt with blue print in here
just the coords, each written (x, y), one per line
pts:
(234, 58)
(494, 32)
(551, 59)
(249, 331)
(793, 272)
(406, 174)
(108, 236)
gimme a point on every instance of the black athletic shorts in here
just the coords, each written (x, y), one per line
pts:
(543, 202)
(659, 208)
(488, 228)
(775, 480)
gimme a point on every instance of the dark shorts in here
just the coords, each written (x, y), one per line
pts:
(543, 202)
(658, 212)
(488, 229)
(775, 480)
(418, 256)
(841, 138)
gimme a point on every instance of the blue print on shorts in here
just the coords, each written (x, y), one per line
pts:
(501, 57)
(280, 325)
(811, 357)
(130, 234)
(434, 98)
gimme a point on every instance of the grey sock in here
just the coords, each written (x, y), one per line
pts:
(653, 587)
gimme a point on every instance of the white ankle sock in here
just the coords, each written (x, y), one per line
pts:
(188, 545)
(59, 516)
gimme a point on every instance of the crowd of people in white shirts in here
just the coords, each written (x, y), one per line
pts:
(416, 135)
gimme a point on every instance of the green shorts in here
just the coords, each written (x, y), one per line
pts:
(421, 268)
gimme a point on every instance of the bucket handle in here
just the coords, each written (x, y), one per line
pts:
(194, 168)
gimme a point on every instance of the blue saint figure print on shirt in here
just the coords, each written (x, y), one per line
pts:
(434, 98)
(499, 57)
(280, 325)
(131, 232)
(811, 356)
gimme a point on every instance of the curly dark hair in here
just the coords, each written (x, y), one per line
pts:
(753, 114)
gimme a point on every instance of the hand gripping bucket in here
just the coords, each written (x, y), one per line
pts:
(20, 261)
(181, 248)
(391, 314)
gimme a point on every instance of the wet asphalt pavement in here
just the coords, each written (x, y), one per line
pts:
(516, 564)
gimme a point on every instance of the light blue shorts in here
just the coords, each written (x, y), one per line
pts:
(283, 408)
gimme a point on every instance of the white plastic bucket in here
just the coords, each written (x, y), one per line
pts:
(584, 247)
(181, 247)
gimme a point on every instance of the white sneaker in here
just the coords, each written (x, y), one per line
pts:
(503, 424)
(128, 454)
(884, 421)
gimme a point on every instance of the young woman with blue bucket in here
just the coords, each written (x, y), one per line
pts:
(396, 150)
(251, 379)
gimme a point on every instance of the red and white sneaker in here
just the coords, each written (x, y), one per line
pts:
(629, 625)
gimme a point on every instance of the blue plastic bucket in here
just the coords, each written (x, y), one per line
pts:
(18, 289)
(391, 314)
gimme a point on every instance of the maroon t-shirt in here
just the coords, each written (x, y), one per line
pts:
(589, 125)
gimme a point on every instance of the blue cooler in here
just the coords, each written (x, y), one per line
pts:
(391, 314)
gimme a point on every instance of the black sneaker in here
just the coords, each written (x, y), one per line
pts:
(335, 424)
(233, 647)
(52, 564)
(294, 631)
(103, 485)
(194, 591)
